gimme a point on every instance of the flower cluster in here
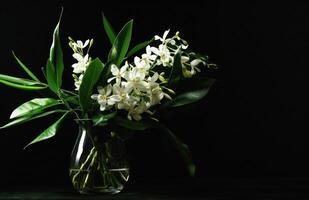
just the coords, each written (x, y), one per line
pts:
(83, 61)
(136, 87)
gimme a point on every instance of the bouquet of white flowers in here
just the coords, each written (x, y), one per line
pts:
(123, 94)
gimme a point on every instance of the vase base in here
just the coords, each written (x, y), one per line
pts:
(99, 190)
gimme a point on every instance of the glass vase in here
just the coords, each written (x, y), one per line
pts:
(98, 162)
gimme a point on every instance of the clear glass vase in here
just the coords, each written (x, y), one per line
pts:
(98, 162)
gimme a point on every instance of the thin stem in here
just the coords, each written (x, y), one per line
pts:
(70, 92)
(83, 164)
(68, 106)
(89, 168)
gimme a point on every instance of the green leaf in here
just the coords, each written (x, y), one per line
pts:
(182, 148)
(22, 87)
(176, 72)
(121, 44)
(56, 55)
(132, 125)
(51, 76)
(34, 106)
(90, 78)
(109, 30)
(101, 120)
(27, 118)
(105, 74)
(72, 99)
(193, 95)
(49, 132)
(25, 68)
(69, 97)
(21, 83)
(139, 47)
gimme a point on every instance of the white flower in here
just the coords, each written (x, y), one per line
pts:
(118, 73)
(121, 97)
(135, 80)
(148, 57)
(80, 45)
(82, 63)
(136, 112)
(193, 66)
(194, 63)
(152, 80)
(163, 38)
(156, 95)
(103, 97)
(141, 65)
(165, 56)
(155, 92)
(78, 81)
(146, 60)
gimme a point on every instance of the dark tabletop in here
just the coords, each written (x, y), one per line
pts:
(208, 190)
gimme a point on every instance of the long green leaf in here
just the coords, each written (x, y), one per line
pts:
(27, 118)
(34, 106)
(109, 29)
(22, 87)
(193, 95)
(90, 78)
(51, 76)
(139, 47)
(121, 44)
(49, 132)
(20, 81)
(25, 68)
(182, 148)
(56, 55)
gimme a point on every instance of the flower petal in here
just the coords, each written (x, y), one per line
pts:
(165, 34)
(101, 90)
(155, 77)
(148, 50)
(155, 50)
(114, 70)
(157, 37)
(86, 43)
(102, 107)
(109, 89)
(110, 79)
(94, 96)
(115, 98)
(184, 59)
(78, 57)
(136, 60)
(195, 62)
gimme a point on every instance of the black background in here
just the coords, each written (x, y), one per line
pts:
(252, 125)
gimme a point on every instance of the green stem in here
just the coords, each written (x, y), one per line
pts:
(70, 92)
(83, 165)
(89, 168)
